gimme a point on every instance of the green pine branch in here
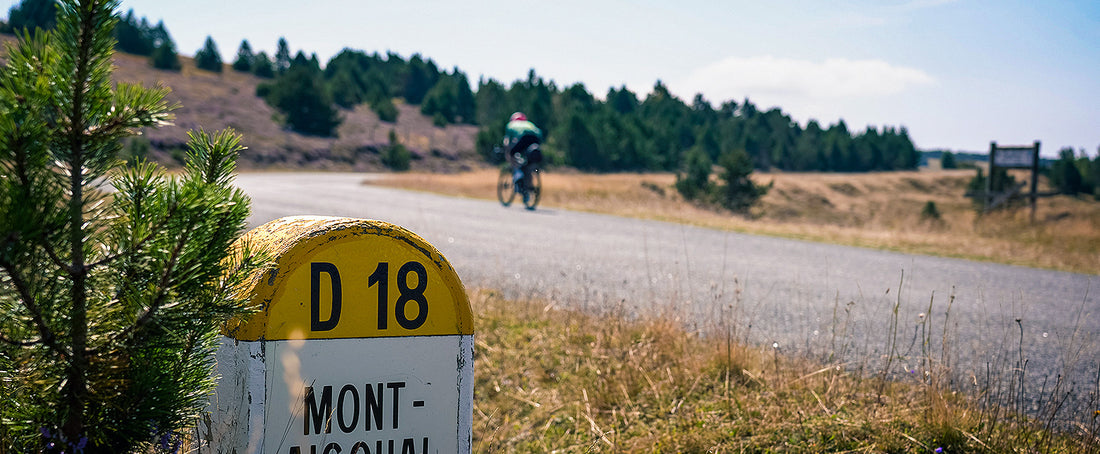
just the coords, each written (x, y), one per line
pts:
(110, 301)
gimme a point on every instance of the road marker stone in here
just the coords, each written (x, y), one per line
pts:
(362, 342)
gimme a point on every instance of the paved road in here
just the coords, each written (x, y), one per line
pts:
(810, 297)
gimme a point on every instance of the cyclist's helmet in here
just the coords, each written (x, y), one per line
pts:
(518, 116)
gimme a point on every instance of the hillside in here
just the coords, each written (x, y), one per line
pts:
(228, 100)
(215, 101)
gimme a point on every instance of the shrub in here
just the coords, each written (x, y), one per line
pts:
(395, 155)
(976, 188)
(694, 183)
(385, 109)
(948, 161)
(438, 120)
(930, 212)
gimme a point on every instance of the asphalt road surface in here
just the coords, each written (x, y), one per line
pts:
(813, 298)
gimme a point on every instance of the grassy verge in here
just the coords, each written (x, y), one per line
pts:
(558, 380)
(876, 210)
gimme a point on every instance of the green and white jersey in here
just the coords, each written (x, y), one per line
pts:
(519, 128)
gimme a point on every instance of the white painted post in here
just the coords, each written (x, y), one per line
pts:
(363, 343)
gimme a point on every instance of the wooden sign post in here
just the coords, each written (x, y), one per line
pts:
(1015, 157)
(363, 344)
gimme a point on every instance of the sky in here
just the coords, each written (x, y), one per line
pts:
(957, 74)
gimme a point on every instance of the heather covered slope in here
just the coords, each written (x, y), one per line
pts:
(215, 101)
(229, 99)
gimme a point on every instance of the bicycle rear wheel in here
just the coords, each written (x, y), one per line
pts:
(506, 191)
(534, 190)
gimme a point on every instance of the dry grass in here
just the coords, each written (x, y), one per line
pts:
(556, 380)
(878, 210)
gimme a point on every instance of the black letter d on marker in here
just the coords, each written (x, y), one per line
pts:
(315, 322)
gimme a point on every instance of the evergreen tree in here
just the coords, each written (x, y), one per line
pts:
(262, 66)
(581, 148)
(837, 147)
(133, 35)
(947, 160)
(282, 57)
(1094, 174)
(421, 76)
(575, 99)
(300, 59)
(535, 97)
(110, 300)
(694, 183)
(158, 35)
(300, 95)
(243, 63)
(377, 94)
(441, 100)
(345, 89)
(867, 152)
(908, 158)
(465, 104)
(736, 190)
(492, 104)
(1088, 175)
(164, 51)
(450, 100)
(1064, 173)
(208, 57)
(622, 100)
(395, 71)
(808, 147)
(31, 14)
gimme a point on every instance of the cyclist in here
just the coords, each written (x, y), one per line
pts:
(521, 142)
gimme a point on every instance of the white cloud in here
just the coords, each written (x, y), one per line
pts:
(855, 19)
(921, 4)
(773, 77)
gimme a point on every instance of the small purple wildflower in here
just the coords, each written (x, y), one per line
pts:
(939, 450)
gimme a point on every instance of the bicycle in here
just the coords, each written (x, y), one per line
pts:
(530, 185)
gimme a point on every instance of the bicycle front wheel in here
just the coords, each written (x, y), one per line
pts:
(506, 191)
(534, 190)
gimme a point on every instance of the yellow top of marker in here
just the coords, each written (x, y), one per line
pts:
(339, 278)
